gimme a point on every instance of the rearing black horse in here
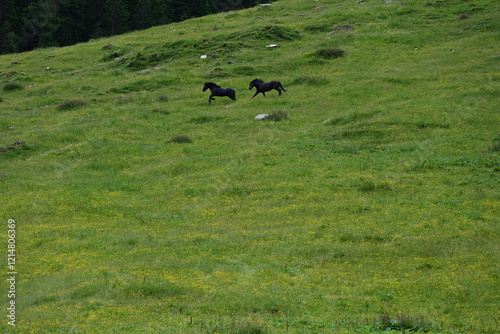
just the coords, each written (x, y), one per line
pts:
(263, 87)
(218, 91)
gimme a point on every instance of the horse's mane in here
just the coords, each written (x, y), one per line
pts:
(211, 84)
(257, 80)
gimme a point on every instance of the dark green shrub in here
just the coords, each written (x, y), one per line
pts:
(367, 186)
(181, 139)
(424, 124)
(403, 323)
(71, 104)
(16, 147)
(238, 327)
(277, 116)
(277, 33)
(205, 119)
(162, 98)
(11, 86)
(496, 144)
(331, 53)
(161, 111)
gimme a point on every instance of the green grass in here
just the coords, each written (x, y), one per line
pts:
(372, 208)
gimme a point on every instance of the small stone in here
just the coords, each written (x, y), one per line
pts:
(260, 117)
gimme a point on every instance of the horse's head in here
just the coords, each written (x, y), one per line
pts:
(210, 85)
(255, 81)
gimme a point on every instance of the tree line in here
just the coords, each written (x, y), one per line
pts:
(29, 24)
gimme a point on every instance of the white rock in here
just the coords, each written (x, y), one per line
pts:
(261, 116)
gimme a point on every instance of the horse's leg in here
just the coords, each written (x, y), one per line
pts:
(254, 95)
(210, 98)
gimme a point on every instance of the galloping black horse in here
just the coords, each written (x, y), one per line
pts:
(218, 91)
(263, 87)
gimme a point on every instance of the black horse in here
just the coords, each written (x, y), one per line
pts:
(218, 91)
(263, 87)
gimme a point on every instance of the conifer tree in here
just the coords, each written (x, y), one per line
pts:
(115, 17)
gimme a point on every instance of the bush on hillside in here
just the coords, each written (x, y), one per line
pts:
(277, 116)
(71, 104)
(330, 53)
(496, 144)
(162, 98)
(181, 139)
(11, 86)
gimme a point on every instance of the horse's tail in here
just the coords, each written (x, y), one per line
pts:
(281, 86)
(232, 95)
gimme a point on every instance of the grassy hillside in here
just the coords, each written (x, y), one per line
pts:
(142, 208)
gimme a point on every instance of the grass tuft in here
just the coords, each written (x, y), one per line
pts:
(235, 326)
(332, 53)
(424, 124)
(205, 119)
(320, 27)
(495, 147)
(368, 186)
(277, 116)
(180, 139)
(71, 104)
(162, 98)
(12, 86)
(403, 323)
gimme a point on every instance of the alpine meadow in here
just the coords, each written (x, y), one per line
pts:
(366, 200)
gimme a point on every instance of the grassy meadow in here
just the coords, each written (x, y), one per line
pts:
(372, 208)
